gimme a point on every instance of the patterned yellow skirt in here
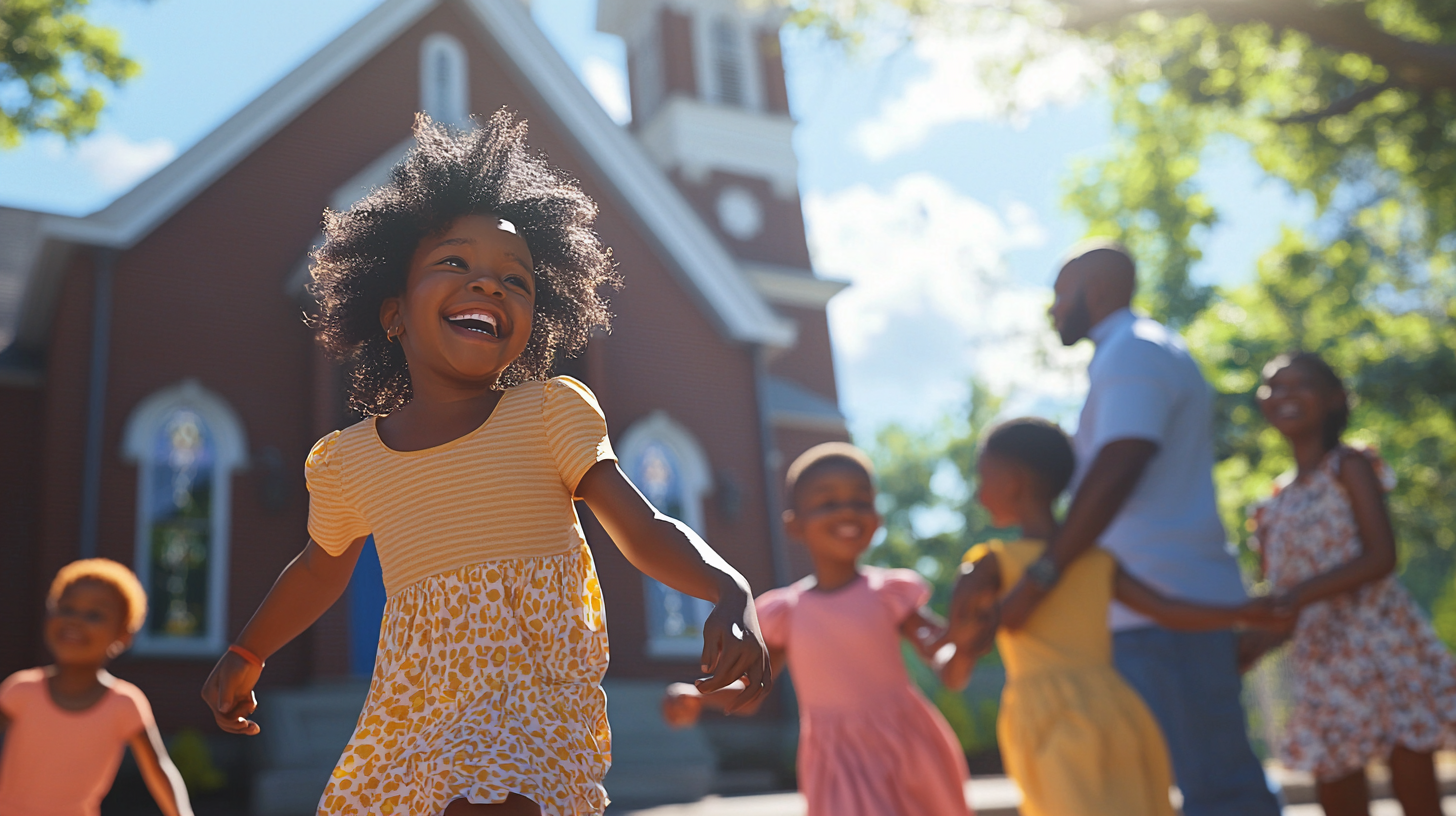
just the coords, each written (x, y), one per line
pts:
(487, 682)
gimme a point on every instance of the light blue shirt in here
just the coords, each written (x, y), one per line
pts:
(1145, 385)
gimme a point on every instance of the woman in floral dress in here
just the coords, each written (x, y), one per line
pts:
(1371, 679)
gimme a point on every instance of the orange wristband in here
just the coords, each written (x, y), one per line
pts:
(246, 655)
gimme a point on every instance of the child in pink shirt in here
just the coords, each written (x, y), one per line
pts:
(65, 724)
(869, 743)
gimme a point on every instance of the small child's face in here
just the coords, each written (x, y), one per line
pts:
(87, 625)
(834, 512)
(470, 295)
(1002, 484)
(1295, 401)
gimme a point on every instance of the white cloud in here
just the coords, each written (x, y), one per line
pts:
(1003, 70)
(932, 303)
(609, 85)
(117, 162)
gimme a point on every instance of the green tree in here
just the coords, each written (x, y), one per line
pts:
(53, 64)
(1349, 103)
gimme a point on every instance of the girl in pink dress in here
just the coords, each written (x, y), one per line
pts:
(1371, 679)
(869, 743)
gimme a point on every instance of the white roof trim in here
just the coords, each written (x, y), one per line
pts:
(647, 192)
(793, 287)
(128, 219)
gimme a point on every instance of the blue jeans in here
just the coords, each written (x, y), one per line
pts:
(1191, 682)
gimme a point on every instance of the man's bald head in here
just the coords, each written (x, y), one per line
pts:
(1097, 279)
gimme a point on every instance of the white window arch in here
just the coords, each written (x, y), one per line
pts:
(186, 441)
(668, 465)
(445, 80)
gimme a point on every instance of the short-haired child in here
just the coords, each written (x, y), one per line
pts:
(869, 742)
(66, 725)
(451, 290)
(1073, 735)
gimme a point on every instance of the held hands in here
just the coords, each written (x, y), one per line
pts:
(1277, 613)
(228, 693)
(733, 649)
(682, 705)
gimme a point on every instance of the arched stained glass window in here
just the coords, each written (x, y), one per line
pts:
(666, 463)
(179, 509)
(186, 442)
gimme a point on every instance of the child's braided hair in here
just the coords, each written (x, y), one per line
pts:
(448, 174)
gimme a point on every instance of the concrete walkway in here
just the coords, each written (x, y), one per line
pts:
(998, 796)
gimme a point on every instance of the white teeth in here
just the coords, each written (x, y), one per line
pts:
(481, 316)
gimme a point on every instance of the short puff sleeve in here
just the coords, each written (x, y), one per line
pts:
(774, 609)
(333, 523)
(576, 429)
(903, 591)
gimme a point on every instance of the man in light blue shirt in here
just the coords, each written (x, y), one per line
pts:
(1144, 491)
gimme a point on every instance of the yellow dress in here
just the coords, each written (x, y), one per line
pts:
(1073, 734)
(487, 680)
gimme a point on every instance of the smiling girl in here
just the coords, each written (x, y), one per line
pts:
(451, 290)
(1371, 681)
(869, 743)
(66, 724)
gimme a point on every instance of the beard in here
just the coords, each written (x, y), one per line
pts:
(1077, 322)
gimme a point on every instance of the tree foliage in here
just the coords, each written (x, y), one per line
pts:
(53, 64)
(1350, 104)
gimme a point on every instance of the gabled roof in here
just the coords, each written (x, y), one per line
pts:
(687, 245)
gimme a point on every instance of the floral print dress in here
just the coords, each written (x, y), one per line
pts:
(1369, 673)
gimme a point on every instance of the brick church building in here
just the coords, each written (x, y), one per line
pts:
(159, 390)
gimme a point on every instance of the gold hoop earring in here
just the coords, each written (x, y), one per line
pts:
(392, 334)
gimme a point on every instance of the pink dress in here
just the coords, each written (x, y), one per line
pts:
(58, 762)
(869, 743)
(1369, 672)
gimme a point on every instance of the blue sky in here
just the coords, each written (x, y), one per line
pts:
(946, 216)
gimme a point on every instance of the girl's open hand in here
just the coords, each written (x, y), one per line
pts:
(733, 649)
(228, 693)
(682, 705)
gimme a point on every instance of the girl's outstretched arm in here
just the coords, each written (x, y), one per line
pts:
(669, 551)
(926, 631)
(1377, 554)
(1196, 617)
(683, 702)
(975, 612)
(309, 585)
(160, 774)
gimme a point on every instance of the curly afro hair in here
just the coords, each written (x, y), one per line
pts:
(450, 173)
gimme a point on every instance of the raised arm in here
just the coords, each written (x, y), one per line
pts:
(309, 585)
(161, 776)
(1105, 488)
(669, 551)
(1377, 541)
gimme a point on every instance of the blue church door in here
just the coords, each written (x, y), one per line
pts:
(366, 610)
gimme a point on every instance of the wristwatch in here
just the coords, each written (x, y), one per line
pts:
(1043, 572)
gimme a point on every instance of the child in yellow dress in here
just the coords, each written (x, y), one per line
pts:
(450, 290)
(1073, 734)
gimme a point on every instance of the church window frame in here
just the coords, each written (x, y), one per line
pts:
(723, 42)
(191, 436)
(672, 619)
(445, 80)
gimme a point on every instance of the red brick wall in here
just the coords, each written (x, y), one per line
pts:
(782, 240)
(810, 362)
(679, 70)
(21, 585)
(771, 69)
